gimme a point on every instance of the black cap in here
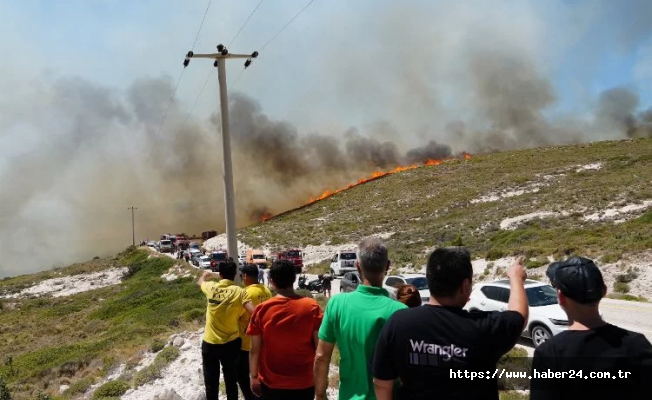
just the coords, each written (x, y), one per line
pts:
(250, 270)
(578, 278)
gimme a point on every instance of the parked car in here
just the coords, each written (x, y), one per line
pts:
(392, 282)
(151, 244)
(342, 262)
(204, 261)
(194, 258)
(547, 318)
(165, 246)
(216, 258)
(350, 282)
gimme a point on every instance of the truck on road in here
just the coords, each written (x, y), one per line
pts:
(293, 255)
(256, 257)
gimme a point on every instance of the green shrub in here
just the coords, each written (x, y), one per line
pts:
(486, 271)
(457, 242)
(194, 314)
(111, 389)
(4, 390)
(167, 355)
(610, 257)
(147, 374)
(156, 346)
(81, 386)
(627, 277)
(494, 254)
(621, 287)
(43, 396)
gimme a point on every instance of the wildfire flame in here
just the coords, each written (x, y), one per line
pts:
(375, 175)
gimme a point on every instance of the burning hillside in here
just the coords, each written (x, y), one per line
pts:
(264, 216)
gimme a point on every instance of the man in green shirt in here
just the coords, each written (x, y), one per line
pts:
(353, 321)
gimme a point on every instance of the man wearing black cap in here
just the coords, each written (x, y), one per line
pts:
(590, 345)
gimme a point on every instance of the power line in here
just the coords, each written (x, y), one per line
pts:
(176, 87)
(236, 79)
(286, 25)
(208, 77)
(245, 24)
(201, 25)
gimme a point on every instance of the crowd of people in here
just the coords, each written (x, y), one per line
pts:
(281, 346)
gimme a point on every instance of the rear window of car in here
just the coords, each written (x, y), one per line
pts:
(166, 242)
(347, 256)
(218, 256)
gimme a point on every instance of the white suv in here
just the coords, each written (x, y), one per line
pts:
(392, 282)
(547, 318)
(342, 262)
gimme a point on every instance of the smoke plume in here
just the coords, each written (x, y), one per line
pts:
(431, 80)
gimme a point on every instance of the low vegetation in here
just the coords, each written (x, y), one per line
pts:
(89, 333)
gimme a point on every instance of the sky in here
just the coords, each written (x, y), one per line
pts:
(348, 88)
(113, 42)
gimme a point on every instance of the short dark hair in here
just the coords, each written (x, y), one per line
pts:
(228, 269)
(447, 269)
(283, 273)
(250, 271)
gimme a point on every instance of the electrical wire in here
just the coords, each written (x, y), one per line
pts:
(198, 96)
(286, 25)
(201, 25)
(176, 87)
(245, 24)
(236, 79)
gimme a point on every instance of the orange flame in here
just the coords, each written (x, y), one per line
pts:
(266, 216)
(376, 175)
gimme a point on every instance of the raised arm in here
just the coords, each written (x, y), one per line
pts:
(517, 297)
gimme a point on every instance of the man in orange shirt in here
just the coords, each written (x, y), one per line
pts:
(283, 332)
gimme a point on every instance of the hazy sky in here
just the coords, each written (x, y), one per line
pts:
(583, 46)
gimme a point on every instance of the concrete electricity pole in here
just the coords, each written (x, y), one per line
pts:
(229, 197)
(133, 226)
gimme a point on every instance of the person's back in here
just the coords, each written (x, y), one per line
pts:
(590, 345)
(283, 332)
(354, 321)
(428, 347)
(286, 326)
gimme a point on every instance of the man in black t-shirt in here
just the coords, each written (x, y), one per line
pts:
(590, 345)
(433, 349)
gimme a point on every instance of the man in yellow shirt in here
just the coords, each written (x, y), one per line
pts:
(227, 303)
(258, 293)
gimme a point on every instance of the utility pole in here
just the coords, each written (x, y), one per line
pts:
(229, 197)
(133, 226)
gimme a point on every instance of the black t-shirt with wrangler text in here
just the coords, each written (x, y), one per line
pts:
(430, 347)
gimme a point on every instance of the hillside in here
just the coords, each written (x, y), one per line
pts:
(592, 199)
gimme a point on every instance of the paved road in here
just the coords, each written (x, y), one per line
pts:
(630, 315)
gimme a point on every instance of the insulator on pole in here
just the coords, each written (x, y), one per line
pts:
(186, 62)
(248, 63)
(215, 64)
(254, 54)
(220, 47)
(190, 54)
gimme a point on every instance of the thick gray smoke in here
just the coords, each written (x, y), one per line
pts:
(431, 79)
